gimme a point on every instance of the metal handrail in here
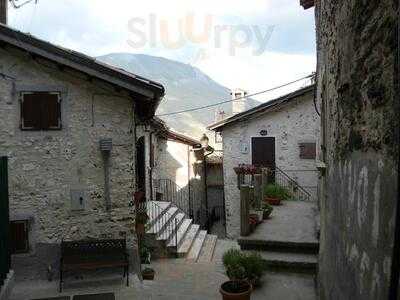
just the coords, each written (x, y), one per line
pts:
(171, 192)
(284, 180)
(162, 223)
(293, 181)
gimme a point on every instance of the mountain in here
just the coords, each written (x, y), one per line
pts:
(186, 87)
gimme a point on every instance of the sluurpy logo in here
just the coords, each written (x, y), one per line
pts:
(155, 32)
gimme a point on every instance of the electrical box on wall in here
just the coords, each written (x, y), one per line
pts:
(78, 200)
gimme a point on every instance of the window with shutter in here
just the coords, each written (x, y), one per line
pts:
(308, 150)
(40, 111)
(19, 236)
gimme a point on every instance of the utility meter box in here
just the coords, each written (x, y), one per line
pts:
(78, 200)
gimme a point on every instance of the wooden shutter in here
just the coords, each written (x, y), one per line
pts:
(30, 112)
(19, 236)
(308, 150)
(50, 111)
(40, 111)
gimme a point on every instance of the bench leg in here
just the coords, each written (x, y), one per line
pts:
(127, 275)
(61, 280)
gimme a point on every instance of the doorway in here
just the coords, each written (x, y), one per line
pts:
(263, 151)
(141, 165)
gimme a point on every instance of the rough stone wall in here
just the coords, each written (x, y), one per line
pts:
(44, 166)
(356, 91)
(290, 125)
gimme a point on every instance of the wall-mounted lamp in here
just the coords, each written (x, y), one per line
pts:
(204, 141)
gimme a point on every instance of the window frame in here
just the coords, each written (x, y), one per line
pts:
(218, 139)
(305, 156)
(41, 128)
(26, 235)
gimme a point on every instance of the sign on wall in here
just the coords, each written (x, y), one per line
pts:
(263, 132)
(244, 147)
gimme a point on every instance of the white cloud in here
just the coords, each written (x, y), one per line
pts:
(98, 27)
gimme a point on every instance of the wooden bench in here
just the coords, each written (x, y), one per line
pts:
(93, 254)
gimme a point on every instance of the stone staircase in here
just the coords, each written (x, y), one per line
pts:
(287, 241)
(173, 234)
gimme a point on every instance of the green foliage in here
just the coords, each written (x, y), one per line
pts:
(276, 191)
(242, 266)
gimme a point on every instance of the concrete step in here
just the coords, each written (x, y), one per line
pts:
(181, 233)
(280, 246)
(155, 209)
(170, 228)
(194, 252)
(162, 221)
(289, 261)
(189, 240)
(208, 248)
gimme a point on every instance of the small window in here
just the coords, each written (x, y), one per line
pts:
(19, 237)
(40, 111)
(308, 150)
(218, 137)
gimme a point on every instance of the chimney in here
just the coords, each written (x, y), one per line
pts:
(3, 11)
(238, 106)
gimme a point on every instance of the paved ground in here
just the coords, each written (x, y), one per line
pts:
(293, 221)
(176, 279)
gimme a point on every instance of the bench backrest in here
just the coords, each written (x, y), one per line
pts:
(92, 247)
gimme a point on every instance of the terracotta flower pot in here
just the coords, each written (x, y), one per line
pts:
(229, 291)
(148, 274)
(273, 201)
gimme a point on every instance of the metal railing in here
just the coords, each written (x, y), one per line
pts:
(282, 179)
(5, 256)
(159, 221)
(217, 214)
(168, 191)
(279, 177)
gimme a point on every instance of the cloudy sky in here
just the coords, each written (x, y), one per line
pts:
(253, 44)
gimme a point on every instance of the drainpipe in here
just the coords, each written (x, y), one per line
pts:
(106, 147)
(395, 272)
(189, 187)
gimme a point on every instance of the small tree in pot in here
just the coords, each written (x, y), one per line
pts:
(237, 288)
(244, 272)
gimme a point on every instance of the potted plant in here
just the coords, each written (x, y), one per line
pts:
(244, 271)
(145, 254)
(237, 288)
(275, 194)
(148, 274)
(267, 210)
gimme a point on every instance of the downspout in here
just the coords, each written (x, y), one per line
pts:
(189, 187)
(395, 271)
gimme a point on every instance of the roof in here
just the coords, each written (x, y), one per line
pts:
(167, 133)
(307, 3)
(148, 93)
(263, 108)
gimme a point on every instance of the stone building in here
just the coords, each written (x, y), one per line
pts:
(57, 106)
(280, 133)
(171, 163)
(357, 97)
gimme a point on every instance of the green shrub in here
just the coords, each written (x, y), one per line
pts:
(276, 191)
(242, 266)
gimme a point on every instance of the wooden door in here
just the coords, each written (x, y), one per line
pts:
(263, 151)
